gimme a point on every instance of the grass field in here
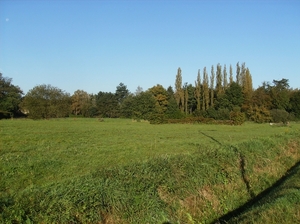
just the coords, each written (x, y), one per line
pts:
(122, 171)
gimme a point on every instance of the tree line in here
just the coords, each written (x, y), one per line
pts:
(214, 96)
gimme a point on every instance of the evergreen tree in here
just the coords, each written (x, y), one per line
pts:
(191, 100)
(172, 111)
(121, 92)
(212, 81)
(198, 90)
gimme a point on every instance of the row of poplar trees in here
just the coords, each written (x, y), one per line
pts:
(212, 88)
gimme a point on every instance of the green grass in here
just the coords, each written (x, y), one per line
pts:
(121, 171)
(278, 204)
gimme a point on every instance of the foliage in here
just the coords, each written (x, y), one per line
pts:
(233, 97)
(161, 96)
(214, 96)
(279, 94)
(205, 100)
(237, 117)
(81, 103)
(179, 93)
(46, 101)
(141, 106)
(280, 116)
(121, 93)
(295, 103)
(197, 92)
(107, 104)
(10, 97)
(259, 114)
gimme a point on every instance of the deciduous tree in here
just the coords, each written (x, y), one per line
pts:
(179, 93)
(212, 81)
(46, 101)
(198, 90)
(219, 87)
(81, 103)
(230, 75)
(10, 97)
(205, 102)
(225, 81)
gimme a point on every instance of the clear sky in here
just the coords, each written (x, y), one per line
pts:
(94, 45)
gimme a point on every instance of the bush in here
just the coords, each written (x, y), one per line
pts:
(280, 116)
(259, 114)
(237, 117)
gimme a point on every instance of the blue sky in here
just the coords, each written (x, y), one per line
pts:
(94, 45)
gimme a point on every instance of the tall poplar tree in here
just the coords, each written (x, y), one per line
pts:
(179, 93)
(230, 75)
(219, 88)
(212, 81)
(247, 89)
(205, 101)
(225, 81)
(243, 75)
(186, 99)
(238, 73)
(198, 90)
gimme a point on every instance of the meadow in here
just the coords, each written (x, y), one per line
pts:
(79, 170)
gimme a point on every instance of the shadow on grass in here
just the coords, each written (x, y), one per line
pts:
(239, 211)
(212, 138)
(242, 165)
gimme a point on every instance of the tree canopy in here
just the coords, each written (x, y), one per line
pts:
(211, 96)
(10, 97)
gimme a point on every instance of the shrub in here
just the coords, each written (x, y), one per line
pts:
(280, 116)
(237, 117)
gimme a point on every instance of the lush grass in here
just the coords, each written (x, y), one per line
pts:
(278, 204)
(120, 171)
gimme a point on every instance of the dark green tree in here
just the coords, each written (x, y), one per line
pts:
(232, 98)
(107, 104)
(172, 111)
(46, 101)
(295, 103)
(10, 97)
(280, 94)
(121, 93)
